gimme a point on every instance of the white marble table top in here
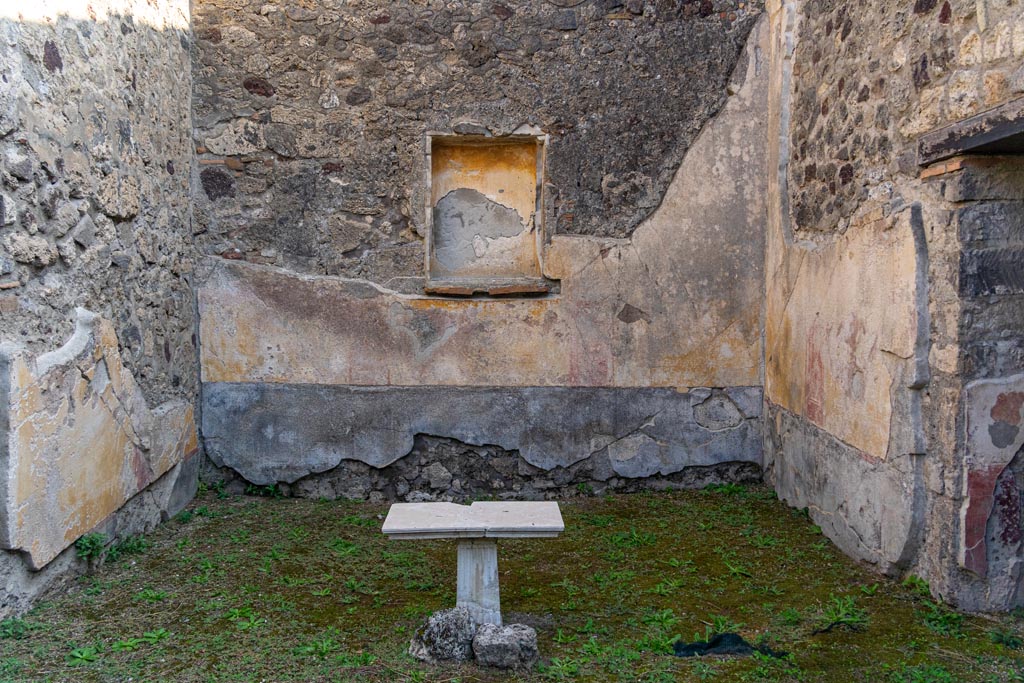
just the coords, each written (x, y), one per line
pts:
(482, 519)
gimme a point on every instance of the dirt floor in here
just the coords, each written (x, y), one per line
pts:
(260, 588)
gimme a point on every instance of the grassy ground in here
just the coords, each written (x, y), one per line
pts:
(264, 589)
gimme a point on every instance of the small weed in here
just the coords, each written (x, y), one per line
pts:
(569, 587)
(271, 491)
(790, 616)
(841, 612)
(1006, 638)
(764, 541)
(598, 520)
(250, 622)
(292, 581)
(184, 517)
(617, 578)
(615, 555)
(83, 655)
(90, 546)
(663, 619)
(869, 590)
(942, 620)
(242, 537)
(632, 539)
(150, 595)
(218, 487)
(127, 645)
(322, 648)
(343, 547)
(133, 545)
(730, 489)
(561, 669)
(356, 659)
(682, 565)
(236, 613)
(10, 665)
(15, 629)
(357, 586)
(359, 520)
(95, 586)
(703, 671)
(563, 638)
(738, 570)
(917, 585)
(155, 636)
(657, 642)
(718, 624)
(589, 628)
(773, 668)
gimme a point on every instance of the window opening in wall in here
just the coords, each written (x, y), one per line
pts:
(484, 217)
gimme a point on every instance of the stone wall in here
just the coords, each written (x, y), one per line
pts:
(875, 77)
(644, 360)
(94, 213)
(311, 120)
(889, 287)
(986, 218)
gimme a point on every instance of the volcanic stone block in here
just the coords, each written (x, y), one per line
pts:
(506, 647)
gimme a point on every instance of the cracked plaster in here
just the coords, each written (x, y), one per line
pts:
(104, 444)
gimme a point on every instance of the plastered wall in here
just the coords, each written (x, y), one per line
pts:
(888, 288)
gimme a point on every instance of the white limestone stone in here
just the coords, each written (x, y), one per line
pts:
(477, 586)
(481, 519)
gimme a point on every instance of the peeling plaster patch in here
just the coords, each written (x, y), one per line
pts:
(717, 412)
(468, 232)
(1006, 419)
(993, 415)
(79, 440)
(630, 314)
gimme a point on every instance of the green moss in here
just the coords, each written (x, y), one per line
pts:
(301, 590)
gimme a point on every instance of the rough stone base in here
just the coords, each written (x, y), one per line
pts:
(562, 436)
(21, 586)
(506, 647)
(450, 470)
(446, 637)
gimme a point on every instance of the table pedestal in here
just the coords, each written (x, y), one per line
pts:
(478, 581)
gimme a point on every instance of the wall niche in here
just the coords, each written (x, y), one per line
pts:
(484, 219)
